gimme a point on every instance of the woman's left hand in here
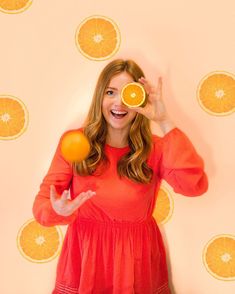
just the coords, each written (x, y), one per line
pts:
(155, 108)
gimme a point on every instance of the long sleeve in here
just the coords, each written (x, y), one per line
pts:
(181, 166)
(60, 175)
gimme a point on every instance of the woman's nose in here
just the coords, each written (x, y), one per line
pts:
(118, 99)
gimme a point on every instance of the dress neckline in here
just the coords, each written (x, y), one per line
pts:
(116, 149)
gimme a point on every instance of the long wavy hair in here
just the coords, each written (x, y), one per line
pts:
(132, 165)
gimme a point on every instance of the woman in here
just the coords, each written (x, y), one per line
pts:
(113, 244)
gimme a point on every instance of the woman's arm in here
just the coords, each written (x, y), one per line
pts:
(180, 164)
(60, 175)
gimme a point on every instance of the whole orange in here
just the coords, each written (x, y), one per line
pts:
(75, 146)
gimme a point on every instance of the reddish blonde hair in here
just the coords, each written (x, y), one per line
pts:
(132, 165)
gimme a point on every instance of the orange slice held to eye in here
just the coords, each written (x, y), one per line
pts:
(75, 146)
(133, 94)
(38, 243)
(14, 6)
(98, 37)
(219, 257)
(216, 93)
(164, 206)
(13, 117)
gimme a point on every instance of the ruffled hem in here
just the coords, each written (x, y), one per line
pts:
(63, 289)
(112, 257)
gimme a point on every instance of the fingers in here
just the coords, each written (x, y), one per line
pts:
(65, 195)
(54, 196)
(86, 195)
(138, 109)
(62, 205)
(81, 198)
(154, 92)
(146, 84)
(52, 193)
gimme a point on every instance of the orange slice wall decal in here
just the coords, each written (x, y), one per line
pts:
(98, 37)
(219, 257)
(216, 93)
(38, 243)
(14, 6)
(13, 117)
(164, 206)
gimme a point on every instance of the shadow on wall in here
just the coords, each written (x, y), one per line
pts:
(167, 259)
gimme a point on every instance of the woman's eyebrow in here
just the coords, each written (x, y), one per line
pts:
(112, 88)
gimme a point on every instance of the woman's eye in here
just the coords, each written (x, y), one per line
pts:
(109, 92)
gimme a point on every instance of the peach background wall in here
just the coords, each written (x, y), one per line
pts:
(40, 64)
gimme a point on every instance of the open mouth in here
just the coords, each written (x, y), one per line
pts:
(118, 114)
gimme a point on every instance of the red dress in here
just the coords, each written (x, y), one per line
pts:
(113, 244)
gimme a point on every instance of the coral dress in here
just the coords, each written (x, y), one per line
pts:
(113, 244)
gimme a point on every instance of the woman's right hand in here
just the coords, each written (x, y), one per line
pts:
(65, 206)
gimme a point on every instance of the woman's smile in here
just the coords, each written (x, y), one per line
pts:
(116, 114)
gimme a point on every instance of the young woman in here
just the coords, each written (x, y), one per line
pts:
(113, 244)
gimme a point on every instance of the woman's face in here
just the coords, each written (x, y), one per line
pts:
(117, 115)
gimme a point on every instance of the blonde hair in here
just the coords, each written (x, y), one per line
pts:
(132, 165)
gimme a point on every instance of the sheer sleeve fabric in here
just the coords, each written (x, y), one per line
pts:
(180, 164)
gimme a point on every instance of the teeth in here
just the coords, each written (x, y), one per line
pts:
(119, 112)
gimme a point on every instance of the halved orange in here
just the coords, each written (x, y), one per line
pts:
(37, 243)
(14, 6)
(98, 37)
(219, 257)
(164, 206)
(75, 146)
(13, 117)
(216, 93)
(133, 94)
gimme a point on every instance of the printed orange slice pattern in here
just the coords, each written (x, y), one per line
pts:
(13, 117)
(219, 257)
(98, 38)
(14, 6)
(216, 93)
(37, 243)
(164, 206)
